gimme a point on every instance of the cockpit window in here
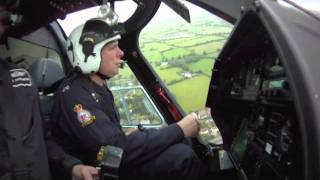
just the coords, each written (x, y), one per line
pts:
(183, 54)
(306, 4)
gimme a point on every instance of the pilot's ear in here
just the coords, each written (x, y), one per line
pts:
(87, 49)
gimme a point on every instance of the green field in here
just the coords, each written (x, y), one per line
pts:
(175, 53)
(175, 48)
(195, 41)
(210, 47)
(170, 74)
(200, 40)
(203, 65)
(175, 42)
(190, 93)
(153, 56)
(156, 47)
(125, 72)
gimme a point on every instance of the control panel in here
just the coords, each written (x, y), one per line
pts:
(253, 106)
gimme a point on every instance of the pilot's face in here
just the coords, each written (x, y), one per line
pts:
(110, 59)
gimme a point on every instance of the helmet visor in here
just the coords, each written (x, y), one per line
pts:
(96, 31)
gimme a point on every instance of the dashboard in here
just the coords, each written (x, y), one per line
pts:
(253, 105)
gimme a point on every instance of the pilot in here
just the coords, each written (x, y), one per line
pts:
(87, 117)
(24, 152)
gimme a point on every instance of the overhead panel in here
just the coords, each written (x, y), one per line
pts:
(230, 7)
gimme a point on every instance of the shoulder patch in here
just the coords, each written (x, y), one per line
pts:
(84, 117)
(20, 78)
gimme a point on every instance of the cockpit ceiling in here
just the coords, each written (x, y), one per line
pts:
(229, 10)
(36, 13)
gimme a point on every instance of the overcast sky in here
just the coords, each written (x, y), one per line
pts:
(75, 19)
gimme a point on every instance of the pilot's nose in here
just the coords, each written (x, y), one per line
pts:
(120, 53)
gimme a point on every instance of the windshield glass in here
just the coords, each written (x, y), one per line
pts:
(308, 4)
(182, 53)
(311, 5)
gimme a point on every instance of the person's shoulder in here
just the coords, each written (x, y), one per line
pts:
(71, 85)
(15, 76)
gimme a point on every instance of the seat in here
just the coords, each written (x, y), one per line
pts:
(45, 73)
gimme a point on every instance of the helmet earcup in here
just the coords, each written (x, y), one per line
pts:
(87, 49)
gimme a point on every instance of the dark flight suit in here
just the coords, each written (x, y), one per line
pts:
(83, 126)
(23, 151)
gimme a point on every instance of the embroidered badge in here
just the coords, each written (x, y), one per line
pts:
(85, 118)
(20, 78)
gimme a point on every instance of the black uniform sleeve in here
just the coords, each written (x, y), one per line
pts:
(138, 146)
(144, 145)
(61, 164)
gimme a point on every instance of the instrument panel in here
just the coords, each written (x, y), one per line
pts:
(253, 106)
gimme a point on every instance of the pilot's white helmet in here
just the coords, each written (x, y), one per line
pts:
(86, 42)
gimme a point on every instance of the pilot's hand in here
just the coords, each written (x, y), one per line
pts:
(189, 125)
(83, 172)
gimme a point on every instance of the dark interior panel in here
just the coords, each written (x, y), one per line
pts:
(253, 105)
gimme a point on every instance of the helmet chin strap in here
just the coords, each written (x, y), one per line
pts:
(102, 76)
